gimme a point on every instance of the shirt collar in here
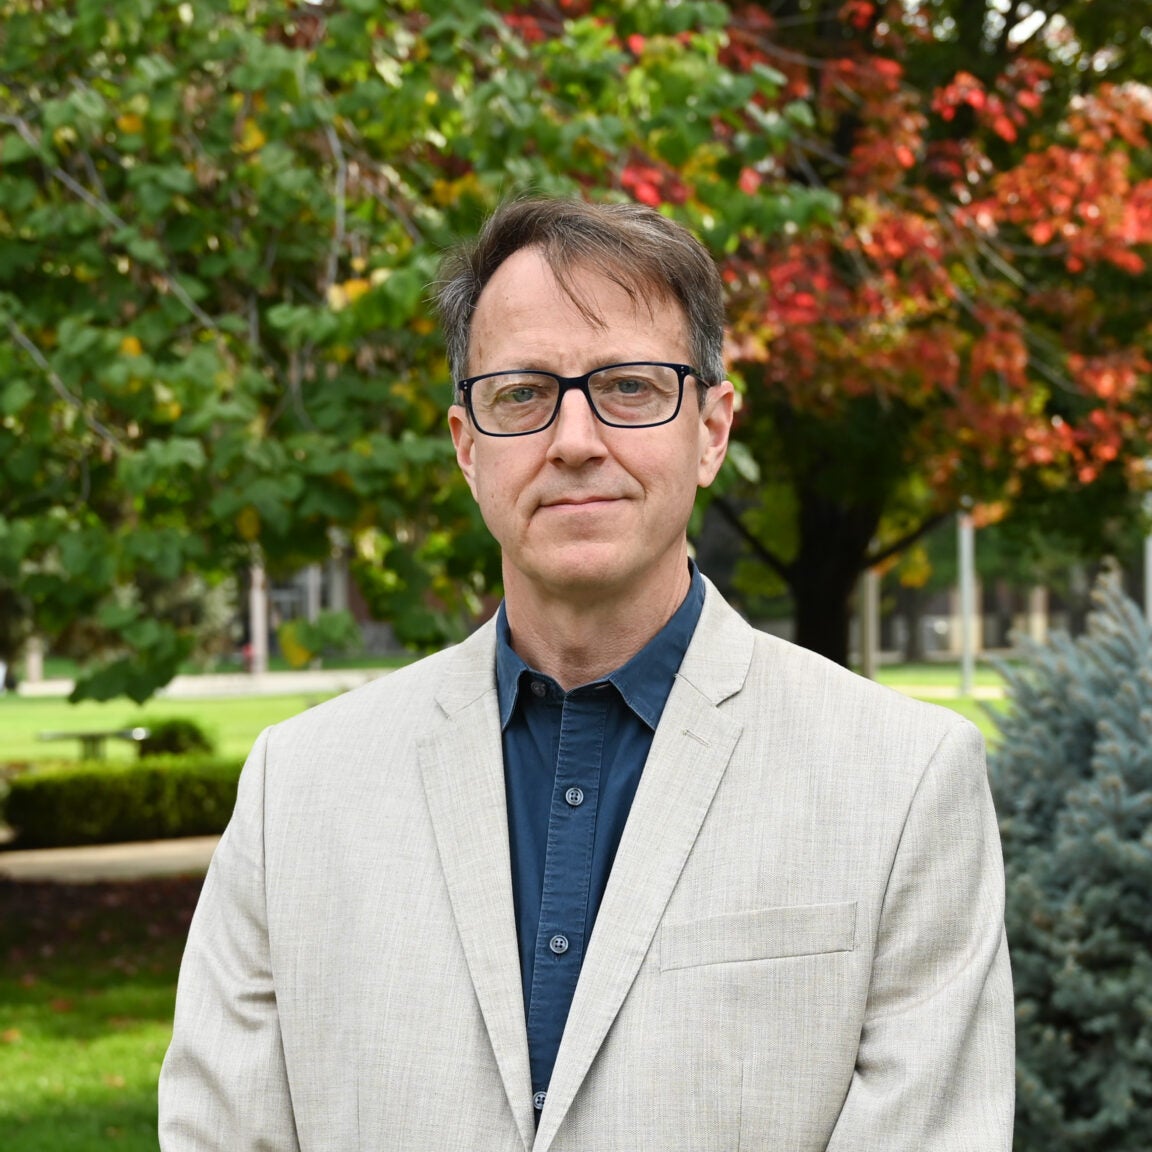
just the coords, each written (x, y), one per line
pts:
(644, 682)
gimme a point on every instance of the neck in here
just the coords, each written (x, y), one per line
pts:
(577, 639)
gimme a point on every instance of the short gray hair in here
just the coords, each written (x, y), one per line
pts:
(649, 256)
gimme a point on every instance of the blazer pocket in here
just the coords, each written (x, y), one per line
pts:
(766, 934)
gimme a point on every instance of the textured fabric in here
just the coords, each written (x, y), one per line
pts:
(800, 946)
(572, 761)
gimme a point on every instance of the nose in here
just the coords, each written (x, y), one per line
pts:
(575, 431)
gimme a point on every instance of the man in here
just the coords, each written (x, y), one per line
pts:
(618, 872)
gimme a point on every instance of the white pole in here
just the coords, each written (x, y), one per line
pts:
(258, 620)
(338, 574)
(869, 622)
(34, 660)
(1148, 578)
(312, 577)
(967, 549)
(1148, 548)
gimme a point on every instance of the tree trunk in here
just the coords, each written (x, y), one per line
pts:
(910, 604)
(823, 615)
(834, 543)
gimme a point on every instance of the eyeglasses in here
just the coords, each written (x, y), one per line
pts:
(634, 395)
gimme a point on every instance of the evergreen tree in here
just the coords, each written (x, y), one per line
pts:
(1073, 783)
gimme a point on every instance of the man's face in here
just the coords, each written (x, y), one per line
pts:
(582, 510)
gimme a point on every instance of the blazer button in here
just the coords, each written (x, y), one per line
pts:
(559, 944)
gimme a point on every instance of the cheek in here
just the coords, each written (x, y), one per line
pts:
(496, 485)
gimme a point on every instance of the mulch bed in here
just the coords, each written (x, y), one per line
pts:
(40, 920)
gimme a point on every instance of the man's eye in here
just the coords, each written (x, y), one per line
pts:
(631, 386)
(518, 394)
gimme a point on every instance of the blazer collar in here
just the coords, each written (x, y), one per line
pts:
(463, 774)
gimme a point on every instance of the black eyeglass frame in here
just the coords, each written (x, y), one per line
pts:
(580, 384)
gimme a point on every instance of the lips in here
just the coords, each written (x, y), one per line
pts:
(577, 501)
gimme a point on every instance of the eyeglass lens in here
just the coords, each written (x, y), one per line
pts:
(631, 395)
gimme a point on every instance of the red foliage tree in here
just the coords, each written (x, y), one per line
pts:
(968, 328)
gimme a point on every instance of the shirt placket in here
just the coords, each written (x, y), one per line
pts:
(560, 941)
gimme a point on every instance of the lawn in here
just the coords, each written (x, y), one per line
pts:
(937, 675)
(87, 986)
(233, 722)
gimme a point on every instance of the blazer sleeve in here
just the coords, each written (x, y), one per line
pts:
(224, 1085)
(935, 1065)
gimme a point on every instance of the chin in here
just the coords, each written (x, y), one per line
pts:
(575, 567)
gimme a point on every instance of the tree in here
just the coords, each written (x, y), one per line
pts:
(217, 225)
(217, 222)
(969, 328)
(1073, 783)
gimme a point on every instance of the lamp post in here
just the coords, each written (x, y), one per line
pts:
(966, 540)
(1148, 565)
(869, 622)
(258, 620)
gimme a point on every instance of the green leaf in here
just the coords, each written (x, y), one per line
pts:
(15, 149)
(15, 396)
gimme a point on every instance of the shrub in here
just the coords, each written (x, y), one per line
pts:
(100, 802)
(176, 735)
(1073, 783)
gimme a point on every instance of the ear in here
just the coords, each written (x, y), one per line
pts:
(715, 424)
(464, 440)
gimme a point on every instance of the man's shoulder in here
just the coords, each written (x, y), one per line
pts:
(410, 693)
(779, 678)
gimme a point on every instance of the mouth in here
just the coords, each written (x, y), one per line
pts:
(578, 501)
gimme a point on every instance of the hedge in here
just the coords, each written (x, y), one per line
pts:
(97, 802)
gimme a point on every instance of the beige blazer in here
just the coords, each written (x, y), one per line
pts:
(801, 945)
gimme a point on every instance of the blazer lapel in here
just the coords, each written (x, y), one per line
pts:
(463, 774)
(690, 751)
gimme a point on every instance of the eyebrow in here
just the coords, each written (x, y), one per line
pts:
(532, 364)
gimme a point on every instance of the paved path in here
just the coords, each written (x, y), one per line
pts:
(226, 684)
(111, 861)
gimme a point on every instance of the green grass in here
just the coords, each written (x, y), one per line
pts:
(87, 987)
(61, 668)
(936, 675)
(909, 677)
(233, 722)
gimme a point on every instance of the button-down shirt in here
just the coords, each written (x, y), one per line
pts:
(572, 762)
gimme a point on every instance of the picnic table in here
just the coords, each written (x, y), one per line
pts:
(92, 743)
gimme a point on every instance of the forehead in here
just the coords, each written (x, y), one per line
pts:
(526, 309)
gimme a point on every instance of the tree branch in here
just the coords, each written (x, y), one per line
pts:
(905, 541)
(60, 388)
(339, 195)
(763, 553)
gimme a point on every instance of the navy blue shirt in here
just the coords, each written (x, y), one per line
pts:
(572, 762)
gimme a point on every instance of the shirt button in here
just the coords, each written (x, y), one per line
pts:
(539, 688)
(559, 944)
(575, 796)
(538, 1100)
